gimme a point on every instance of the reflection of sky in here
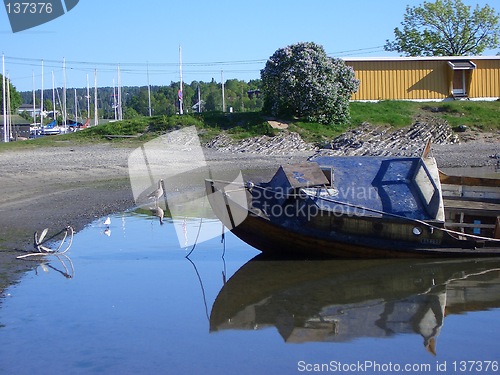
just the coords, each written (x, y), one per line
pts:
(136, 305)
(176, 161)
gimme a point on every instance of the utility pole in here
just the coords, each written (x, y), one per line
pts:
(199, 99)
(120, 109)
(115, 105)
(223, 96)
(149, 92)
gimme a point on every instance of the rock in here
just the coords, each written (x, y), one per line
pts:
(370, 140)
(283, 144)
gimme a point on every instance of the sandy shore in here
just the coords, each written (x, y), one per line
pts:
(76, 184)
(72, 185)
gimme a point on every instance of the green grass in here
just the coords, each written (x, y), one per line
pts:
(315, 132)
(483, 116)
(392, 113)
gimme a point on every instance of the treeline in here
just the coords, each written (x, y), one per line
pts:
(240, 96)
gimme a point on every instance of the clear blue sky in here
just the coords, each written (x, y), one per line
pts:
(231, 36)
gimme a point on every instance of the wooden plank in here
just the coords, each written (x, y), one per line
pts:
(468, 225)
(112, 136)
(471, 206)
(468, 181)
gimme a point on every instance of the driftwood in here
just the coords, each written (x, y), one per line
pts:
(60, 255)
(41, 249)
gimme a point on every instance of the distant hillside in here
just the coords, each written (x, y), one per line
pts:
(164, 99)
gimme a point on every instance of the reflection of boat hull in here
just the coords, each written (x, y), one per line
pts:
(345, 299)
(391, 216)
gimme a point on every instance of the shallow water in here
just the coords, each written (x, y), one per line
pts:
(135, 305)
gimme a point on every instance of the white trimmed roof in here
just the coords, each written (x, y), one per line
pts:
(420, 58)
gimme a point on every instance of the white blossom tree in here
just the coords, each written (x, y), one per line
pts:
(302, 81)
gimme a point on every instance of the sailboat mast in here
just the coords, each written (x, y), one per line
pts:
(88, 98)
(115, 106)
(149, 92)
(41, 99)
(181, 111)
(76, 109)
(223, 95)
(4, 100)
(199, 99)
(34, 100)
(120, 111)
(96, 117)
(54, 97)
(65, 118)
(8, 114)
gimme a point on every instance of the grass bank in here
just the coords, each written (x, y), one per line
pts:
(482, 116)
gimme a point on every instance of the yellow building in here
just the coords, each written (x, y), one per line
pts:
(427, 78)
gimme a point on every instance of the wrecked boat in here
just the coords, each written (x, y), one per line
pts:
(363, 207)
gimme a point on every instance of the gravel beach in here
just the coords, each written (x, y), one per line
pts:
(75, 184)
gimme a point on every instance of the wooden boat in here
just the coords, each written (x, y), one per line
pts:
(363, 207)
(343, 300)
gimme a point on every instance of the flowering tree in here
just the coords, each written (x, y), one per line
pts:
(301, 80)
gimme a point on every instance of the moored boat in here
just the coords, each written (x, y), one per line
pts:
(363, 207)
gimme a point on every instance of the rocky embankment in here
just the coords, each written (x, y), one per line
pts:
(469, 148)
(285, 143)
(369, 140)
(365, 140)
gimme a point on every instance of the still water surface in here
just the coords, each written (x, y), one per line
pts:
(136, 305)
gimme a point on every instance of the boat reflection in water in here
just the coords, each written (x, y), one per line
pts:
(341, 300)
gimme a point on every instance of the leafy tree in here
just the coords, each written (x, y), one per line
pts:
(15, 97)
(301, 80)
(446, 28)
(140, 102)
(213, 102)
(130, 113)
